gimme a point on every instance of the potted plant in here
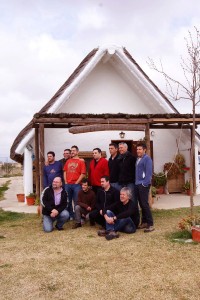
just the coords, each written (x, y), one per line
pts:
(160, 181)
(192, 225)
(20, 197)
(30, 199)
(153, 191)
(186, 187)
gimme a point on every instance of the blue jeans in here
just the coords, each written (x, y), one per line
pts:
(124, 225)
(72, 192)
(61, 219)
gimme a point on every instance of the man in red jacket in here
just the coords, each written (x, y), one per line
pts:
(98, 168)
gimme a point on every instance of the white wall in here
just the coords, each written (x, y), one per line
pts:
(104, 91)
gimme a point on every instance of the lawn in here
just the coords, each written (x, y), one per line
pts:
(4, 187)
(77, 264)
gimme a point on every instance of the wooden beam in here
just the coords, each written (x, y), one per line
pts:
(82, 121)
(170, 126)
(106, 127)
(147, 139)
(41, 152)
(37, 170)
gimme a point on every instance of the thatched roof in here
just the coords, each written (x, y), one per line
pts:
(86, 61)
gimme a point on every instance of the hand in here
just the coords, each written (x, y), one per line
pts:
(101, 212)
(89, 208)
(54, 213)
(109, 220)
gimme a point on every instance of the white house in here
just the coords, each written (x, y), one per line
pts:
(108, 80)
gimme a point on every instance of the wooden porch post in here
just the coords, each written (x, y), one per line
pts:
(41, 154)
(37, 172)
(147, 139)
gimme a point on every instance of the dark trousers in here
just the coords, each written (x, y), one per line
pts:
(95, 217)
(142, 196)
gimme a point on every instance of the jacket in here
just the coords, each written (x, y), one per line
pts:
(126, 168)
(106, 198)
(144, 170)
(113, 165)
(122, 211)
(48, 202)
(97, 170)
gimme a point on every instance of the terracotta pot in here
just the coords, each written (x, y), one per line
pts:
(20, 197)
(188, 192)
(160, 190)
(30, 200)
(196, 234)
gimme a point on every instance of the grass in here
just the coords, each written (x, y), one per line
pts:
(77, 264)
(4, 188)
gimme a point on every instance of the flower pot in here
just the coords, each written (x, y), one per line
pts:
(160, 190)
(196, 234)
(20, 197)
(188, 192)
(30, 200)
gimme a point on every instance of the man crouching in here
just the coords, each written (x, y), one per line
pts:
(54, 203)
(121, 216)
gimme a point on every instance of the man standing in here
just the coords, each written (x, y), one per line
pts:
(51, 170)
(142, 186)
(66, 156)
(126, 167)
(98, 168)
(106, 196)
(54, 202)
(74, 172)
(113, 164)
(85, 203)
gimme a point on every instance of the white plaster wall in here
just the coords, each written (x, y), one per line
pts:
(164, 143)
(104, 91)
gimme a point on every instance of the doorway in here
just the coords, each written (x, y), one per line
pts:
(132, 146)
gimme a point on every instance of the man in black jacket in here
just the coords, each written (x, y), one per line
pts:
(126, 167)
(120, 216)
(105, 197)
(113, 164)
(54, 203)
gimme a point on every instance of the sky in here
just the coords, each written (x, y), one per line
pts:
(43, 41)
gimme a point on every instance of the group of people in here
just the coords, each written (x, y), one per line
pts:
(110, 196)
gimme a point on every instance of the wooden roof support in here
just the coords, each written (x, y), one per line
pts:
(37, 170)
(106, 127)
(147, 139)
(41, 154)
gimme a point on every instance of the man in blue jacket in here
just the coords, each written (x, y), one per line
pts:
(143, 176)
(51, 169)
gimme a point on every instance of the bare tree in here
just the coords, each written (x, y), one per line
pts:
(188, 90)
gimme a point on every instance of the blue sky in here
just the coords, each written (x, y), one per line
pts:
(43, 41)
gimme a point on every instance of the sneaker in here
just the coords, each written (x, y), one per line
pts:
(102, 232)
(76, 225)
(112, 235)
(143, 225)
(149, 229)
(58, 228)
